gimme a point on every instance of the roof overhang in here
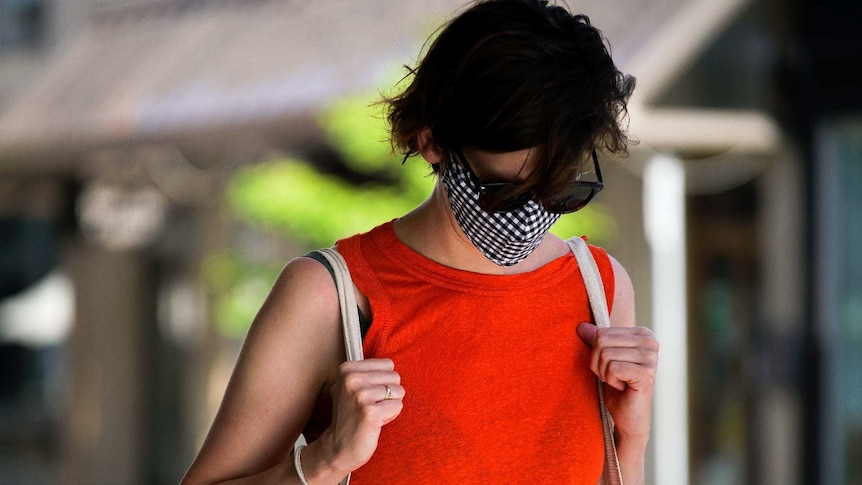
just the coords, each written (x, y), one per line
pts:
(221, 72)
(661, 59)
(231, 76)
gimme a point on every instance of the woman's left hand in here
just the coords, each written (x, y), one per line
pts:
(625, 359)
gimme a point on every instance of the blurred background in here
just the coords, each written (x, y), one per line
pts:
(161, 160)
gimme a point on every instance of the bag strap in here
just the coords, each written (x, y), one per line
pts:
(599, 305)
(349, 311)
(364, 322)
(347, 302)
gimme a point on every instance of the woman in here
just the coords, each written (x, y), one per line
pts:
(479, 368)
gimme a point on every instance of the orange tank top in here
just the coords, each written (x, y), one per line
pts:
(498, 385)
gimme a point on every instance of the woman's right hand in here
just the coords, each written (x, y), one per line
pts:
(366, 396)
(295, 348)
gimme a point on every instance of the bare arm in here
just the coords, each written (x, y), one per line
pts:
(293, 351)
(625, 358)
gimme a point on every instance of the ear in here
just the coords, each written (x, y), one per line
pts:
(427, 148)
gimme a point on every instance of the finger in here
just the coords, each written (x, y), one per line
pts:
(587, 332)
(620, 375)
(368, 387)
(384, 410)
(371, 378)
(376, 393)
(610, 341)
(390, 392)
(389, 410)
(602, 358)
(395, 392)
(377, 414)
(367, 365)
(623, 336)
(358, 374)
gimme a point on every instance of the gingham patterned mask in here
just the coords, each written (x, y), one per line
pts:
(506, 238)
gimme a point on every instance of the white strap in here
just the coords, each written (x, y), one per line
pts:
(347, 301)
(349, 311)
(599, 304)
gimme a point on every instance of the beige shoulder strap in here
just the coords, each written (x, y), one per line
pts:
(347, 301)
(349, 312)
(599, 305)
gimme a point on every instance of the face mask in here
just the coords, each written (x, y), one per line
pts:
(506, 238)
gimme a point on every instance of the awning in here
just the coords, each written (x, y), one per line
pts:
(224, 73)
(163, 72)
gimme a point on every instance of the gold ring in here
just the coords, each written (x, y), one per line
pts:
(388, 395)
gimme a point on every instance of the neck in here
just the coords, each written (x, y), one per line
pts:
(432, 231)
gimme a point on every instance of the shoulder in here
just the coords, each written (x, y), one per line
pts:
(302, 306)
(301, 276)
(304, 274)
(623, 313)
(305, 286)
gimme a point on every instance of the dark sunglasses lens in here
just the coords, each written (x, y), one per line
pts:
(573, 202)
(494, 198)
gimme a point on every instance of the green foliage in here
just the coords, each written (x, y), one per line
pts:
(356, 126)
(238, 288)
(317, 209)
(593, 221)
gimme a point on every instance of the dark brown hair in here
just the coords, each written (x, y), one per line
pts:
(507, 75)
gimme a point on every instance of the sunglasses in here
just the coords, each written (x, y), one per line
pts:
(496, 196)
